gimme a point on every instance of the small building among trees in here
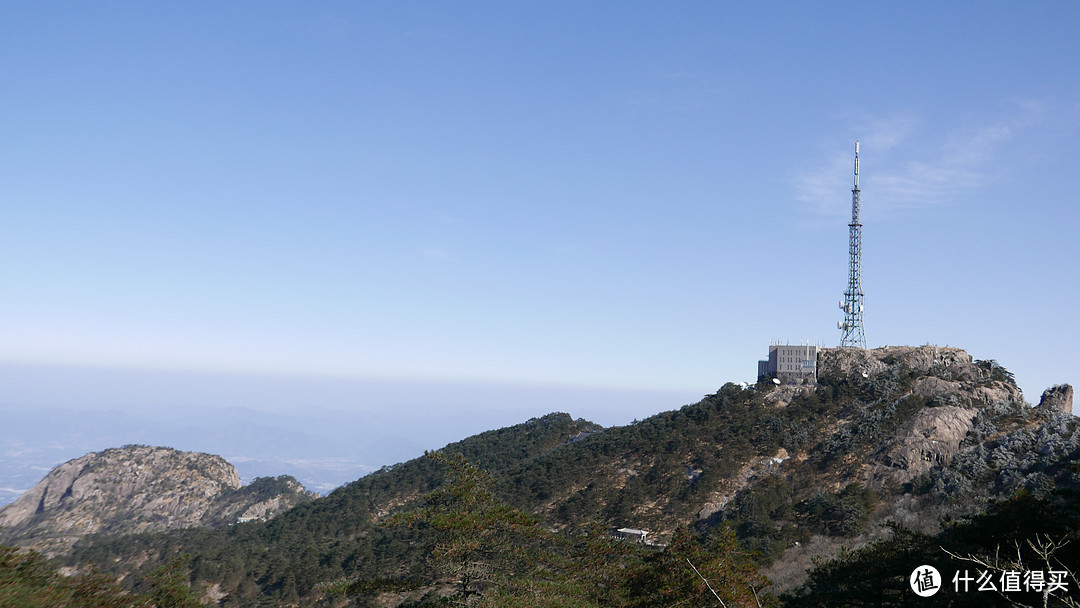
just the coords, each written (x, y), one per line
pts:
(640, 536)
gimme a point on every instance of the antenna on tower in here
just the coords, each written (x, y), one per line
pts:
(853, 335)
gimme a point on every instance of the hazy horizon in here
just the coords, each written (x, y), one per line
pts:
(324, 431)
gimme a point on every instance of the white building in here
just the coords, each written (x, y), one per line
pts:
(640, 536)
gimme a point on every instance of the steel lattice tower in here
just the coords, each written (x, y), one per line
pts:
(853, 335)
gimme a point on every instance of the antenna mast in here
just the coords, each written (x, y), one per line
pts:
(852, 325)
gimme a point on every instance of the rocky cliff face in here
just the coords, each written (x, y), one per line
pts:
(135, 489)
(930, 439)
(935, 361)
(1057, 399)
(955, 386)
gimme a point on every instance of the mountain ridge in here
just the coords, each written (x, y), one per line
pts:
(796, 471)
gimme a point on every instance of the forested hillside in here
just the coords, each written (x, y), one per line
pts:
(889, 439)
(333, 537)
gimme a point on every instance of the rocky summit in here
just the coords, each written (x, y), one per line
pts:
(137, 489)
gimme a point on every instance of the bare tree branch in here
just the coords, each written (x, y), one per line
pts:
(707, 583)
(1044, 549)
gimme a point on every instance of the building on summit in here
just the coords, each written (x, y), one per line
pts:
(789, 362)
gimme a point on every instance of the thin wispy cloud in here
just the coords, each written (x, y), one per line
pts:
(904, 167)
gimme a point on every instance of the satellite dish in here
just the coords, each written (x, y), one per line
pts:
(865, 375)
(776, 381)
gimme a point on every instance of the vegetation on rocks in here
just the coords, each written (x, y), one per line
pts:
(483, 552)
(29, 580)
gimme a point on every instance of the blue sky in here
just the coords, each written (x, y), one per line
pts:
(623, 195)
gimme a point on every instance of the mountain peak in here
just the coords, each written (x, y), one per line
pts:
(134, 489)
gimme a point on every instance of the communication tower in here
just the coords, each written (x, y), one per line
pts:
(852, 335)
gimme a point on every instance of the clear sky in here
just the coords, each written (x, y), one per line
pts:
(618, 195)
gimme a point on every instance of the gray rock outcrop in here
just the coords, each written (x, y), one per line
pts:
(954, 363)
(932, 386)
(131, 490)
(930, 439)
(1057, 399)
(949, 380)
